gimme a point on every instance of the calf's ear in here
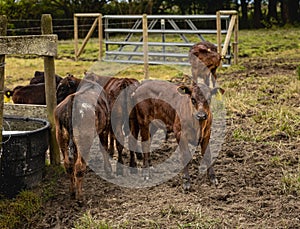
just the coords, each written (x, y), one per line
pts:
(72, 83)
(184, 90)
(216, 90)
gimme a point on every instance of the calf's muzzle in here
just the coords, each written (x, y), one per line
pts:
(201, 115)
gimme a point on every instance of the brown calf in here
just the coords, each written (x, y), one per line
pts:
(78, 119)
(184, 111)
(70, 84)
(34, 93)
(39, 77)
(205, 60)
(29, 94)
(118, 91)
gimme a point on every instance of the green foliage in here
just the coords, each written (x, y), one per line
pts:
(19, 211)
(291, 183)
(278, 43)
(190, 218)
(87, 221)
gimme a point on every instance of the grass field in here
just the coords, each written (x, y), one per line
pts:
(258, 166)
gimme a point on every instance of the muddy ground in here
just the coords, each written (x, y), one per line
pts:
(250, 194)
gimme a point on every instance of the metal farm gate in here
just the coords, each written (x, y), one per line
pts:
(165, 39)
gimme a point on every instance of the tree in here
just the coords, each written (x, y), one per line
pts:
(257, 15)
(272, 11)
(293, 11)
(244, 20)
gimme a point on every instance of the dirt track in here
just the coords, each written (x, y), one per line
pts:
(250, 194)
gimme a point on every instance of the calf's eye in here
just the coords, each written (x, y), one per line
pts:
(194, 102)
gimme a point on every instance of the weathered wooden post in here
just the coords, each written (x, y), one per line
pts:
(76, 36)
(235, 43)
(3, 29)
(100, 35)
(219, 39)
(50, 84)
(233, 26)
(145, 46)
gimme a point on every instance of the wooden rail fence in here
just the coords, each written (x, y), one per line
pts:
(44, 45)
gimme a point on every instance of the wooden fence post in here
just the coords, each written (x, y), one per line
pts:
(235, 43)
(219, 39)
(76, 36)
(3, 30)
(100, 35)
(233, 27)
(145, 46)
(50, 89)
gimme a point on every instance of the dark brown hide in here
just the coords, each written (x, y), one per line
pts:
(67, 86)
(39, 77)
(29, 94)
(205, 60)
(118, 91)
(78, 119)
(184, 111)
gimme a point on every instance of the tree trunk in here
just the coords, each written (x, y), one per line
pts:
(257, 14)
(244, 20)
(293, 7)
(272, 10)
(284, 11)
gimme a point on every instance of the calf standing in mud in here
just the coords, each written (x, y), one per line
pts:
(78, 118)
(184, 110)
(118, 91)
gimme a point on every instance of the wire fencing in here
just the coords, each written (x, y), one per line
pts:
(64, 27)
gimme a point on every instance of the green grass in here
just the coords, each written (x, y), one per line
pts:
(26, 207)
(190, 218)
(291, 182)
(21, 211)
(267, 118)
(88, 221)
(278, 42)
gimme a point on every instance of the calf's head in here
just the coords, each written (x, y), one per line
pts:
(200, 98)
(66, 86)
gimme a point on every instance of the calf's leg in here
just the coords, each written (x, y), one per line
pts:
(205, 150)
(79, 171)
(186, 157)
(103, 137)
(132, 140)
(63, 138)
(145, 137)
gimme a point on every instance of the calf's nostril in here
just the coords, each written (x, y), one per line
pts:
(201, 116)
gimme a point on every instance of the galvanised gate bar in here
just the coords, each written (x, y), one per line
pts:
(169, 37)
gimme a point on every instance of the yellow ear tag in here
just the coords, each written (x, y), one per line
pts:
(8, 93)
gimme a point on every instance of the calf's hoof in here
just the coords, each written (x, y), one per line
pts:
(108, 172)
(213, 180)
(186, 183)
(139, 156)
(146, 174)
(73, 195)
(119, 169)
(186, 186)
(133, 170)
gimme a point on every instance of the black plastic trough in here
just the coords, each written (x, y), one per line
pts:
(22, 159)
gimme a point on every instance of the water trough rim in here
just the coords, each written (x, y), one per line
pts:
(26, 119)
